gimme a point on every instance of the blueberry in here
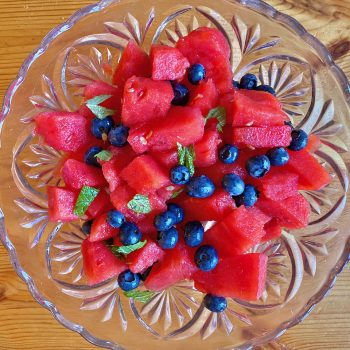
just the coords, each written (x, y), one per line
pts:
(194, 233)
(206, 258)
(180, 175)
(200, 187)
(249, 82)
(196, 73)
(86, 227)
(165, 221)
(299, 140)
(248, 198)
(115, 218)
(181, 95)
(129, 233)
(266, 88)
(278, 156)
(99, 127)
(258, 166)
(128, 281)
(90, 158)
(232, 184)
(178, 211)
(118, 136)
(235, 84)
(215, 303)
(228, 154)
(169, 238)
(145, 274)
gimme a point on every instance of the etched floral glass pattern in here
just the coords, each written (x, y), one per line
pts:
(302, 264)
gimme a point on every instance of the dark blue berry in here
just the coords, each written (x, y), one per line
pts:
(115, 218)
(169, 238)
(128, 281)
(118, 136)
(249, 82)
(235, 84)
(200, 187)
(181, 95)
(100, 127)
(196, 73)
(278, 156)
(258, 166)
(248, 198)
(86, 227)
(299, 140)
(180, 175)
(129, 233)
(228, 154)
(215, 303)
(178, 211)
(266, 88)
(90, 158)
(194, 233)
(206, 258)
(165, 221)
(232, 184)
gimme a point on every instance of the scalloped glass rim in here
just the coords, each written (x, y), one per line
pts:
(256, 5)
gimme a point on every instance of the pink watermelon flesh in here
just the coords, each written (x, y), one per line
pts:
(100, 205)
(168, 63)
(273, 230)
(204, 96)
(240, 276)
(61, 203)
(102, 230)
(207, 148)
(100, 264)
(145, 100)
(168, 159)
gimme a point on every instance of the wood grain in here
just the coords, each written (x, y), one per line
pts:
(26, 325)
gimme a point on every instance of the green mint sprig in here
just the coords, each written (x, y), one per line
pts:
(104, 155)
(218, 113)
(143, 296)
(99, 111)
(186, 156)
(140, 204)
(86, 196)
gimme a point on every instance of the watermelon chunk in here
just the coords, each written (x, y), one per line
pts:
(272, 136)
(78, 174)
(134, 62)
(145, 100)
(145, 257)
(241, 276)
(293, 212)
(204, 96)
(168, 63)
(61, 203)
(183, 125)
(153, 175)
(101, 230)
(168, 159)
(63, 131)
(313, 144)
(100, 263)
(100, 205)
(312, 175)
(273, 230)
(207, 148)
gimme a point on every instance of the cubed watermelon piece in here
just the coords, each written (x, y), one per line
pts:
(101, 230)
(100, 205)
(292, 213)
(207, 148)
(168, 159)
(63, 131)
(61, 203)
(145, 100)
(312, 175)
(134, 62)
(257, 137)
(184, 125)
(168, 63)
(227, 134)
(273, 230)
(240, 276)
(313, 144)
(145, 257)
(146, 226)
(226, 101)
(205, 96)
(100, 263)
(78, 174)
(262, 98)
(176, 266)
(167, 192)
(237, 232)
(152, 176)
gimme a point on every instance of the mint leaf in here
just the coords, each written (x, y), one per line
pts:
(176, 193)
(127, 249)
(218, 113)
(186, 156)
(104, 155)
(85, 198)
(99, 111)
(140, 204)
(143, 296)
(181, 153)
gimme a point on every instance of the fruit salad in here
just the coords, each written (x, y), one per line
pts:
(176, 172)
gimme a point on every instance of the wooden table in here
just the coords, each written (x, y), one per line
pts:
(26, 325)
